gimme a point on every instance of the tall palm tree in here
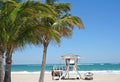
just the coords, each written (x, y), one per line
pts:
(19, 26)
(2, 47)
(63, 25)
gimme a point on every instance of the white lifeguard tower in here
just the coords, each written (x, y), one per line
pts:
(71, 61)
(70, 65)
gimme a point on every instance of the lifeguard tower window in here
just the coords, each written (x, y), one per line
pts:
(72, 62)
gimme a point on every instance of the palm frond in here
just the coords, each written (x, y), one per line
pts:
(69, 22)
(13, 14)
(62, 7)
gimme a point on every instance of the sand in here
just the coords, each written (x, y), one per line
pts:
(48, 78)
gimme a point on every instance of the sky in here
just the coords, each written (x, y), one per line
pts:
(99, 42)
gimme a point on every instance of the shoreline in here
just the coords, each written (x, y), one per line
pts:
(81, 72)
(48, 78)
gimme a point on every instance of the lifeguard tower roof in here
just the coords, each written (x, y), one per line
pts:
(70, 56)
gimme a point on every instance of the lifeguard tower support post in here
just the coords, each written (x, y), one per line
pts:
(70, 65)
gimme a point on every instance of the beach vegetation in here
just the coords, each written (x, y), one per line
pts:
(19, 25)
(32, 23)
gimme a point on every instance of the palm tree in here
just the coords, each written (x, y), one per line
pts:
(49, 35)
(2, 47)
(19, 26)
(63, 25)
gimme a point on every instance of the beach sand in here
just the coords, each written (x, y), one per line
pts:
(48, 78)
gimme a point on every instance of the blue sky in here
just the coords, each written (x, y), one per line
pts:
(99, 42)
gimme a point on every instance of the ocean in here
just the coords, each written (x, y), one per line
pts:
(104, 68)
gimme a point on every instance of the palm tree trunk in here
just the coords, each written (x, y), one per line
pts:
(41, 79)
(7, 77)
(1, 68)
(2, 50)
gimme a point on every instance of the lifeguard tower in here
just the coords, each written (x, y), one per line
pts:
(70, 65)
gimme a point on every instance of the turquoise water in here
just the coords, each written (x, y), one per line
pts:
(97, 67)
(106, 66)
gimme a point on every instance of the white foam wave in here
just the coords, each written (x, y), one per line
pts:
(103, 72)
(25, 72)
(81, 72)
